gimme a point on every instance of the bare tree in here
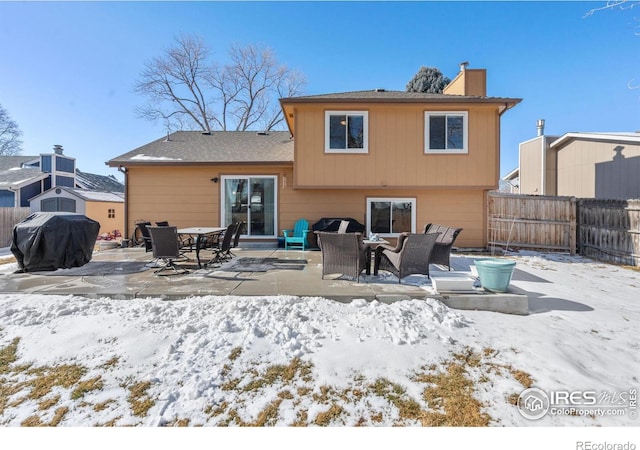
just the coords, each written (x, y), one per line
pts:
(186, 88)
(613, 4)
(10, 134)
(622, 5)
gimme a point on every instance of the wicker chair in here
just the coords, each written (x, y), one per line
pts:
(410, 256)
(442, 251)
(342, 253)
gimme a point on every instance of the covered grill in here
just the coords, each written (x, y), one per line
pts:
(332, 224)
(50, 241)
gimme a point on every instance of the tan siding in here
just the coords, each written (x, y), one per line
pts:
(468, 82)
(459, 208)
(182, 195)
(530, 167)
(592, 169)
(396, 150)
(186, 196)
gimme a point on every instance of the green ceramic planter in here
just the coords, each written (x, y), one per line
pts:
(495, 274)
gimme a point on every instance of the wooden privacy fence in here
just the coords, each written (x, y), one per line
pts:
(531, 222)
(8, 218)
(609, 230)
(605, 230)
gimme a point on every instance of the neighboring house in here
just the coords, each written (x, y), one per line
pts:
(512, 181)
(104, 207)
(24, 177)
(392, 160)
(585, 165)
(51, 182)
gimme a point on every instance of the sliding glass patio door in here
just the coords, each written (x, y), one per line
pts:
(251, 200)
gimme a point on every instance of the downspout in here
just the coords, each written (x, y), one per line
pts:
(123, 170)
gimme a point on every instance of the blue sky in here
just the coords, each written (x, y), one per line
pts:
(68, 67)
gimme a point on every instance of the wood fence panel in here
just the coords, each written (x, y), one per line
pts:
(609, 230)
(532, 222)
(8, 218)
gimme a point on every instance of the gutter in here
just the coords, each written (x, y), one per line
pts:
(124, 171)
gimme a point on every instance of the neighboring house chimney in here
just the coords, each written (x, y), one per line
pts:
(57, 149)
(540, 127)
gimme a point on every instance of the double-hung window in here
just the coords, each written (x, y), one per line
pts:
(446, 132)
(391, 216)
(346, 132)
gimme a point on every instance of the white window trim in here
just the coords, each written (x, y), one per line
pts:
(465, 131)
(411, 200)
(223, 201)
(327, 131)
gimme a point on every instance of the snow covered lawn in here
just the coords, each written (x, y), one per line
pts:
(272, 361)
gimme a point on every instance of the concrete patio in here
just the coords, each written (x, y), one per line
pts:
(126, 273)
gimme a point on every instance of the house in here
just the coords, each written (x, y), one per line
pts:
(512, 181)
(24, 177)
(392, 160)
(107, 208)
(51, 182)
(586, 165)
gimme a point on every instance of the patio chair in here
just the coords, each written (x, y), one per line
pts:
(166, 247)
(144, 233)
(410, 256)
(442, 250)
(223, 252)
(297, 236)
(342, 253)
(236, 237)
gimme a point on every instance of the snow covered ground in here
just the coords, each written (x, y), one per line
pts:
(207, 360)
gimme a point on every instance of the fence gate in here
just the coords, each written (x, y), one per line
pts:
(531, 222)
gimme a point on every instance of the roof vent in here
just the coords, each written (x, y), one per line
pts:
(57, 149)
(381, 90)
(207, 133)
(262, 133)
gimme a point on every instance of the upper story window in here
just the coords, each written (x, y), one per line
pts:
(46, 163)
(446, 132)
(65, 181)
(346, 132)
(67, 165)
(111, 213)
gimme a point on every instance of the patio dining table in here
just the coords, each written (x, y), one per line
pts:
(200, 233)
(370, 246)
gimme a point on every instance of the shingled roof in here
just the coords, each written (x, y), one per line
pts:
(222, 147)
(95, 182)
(384, 96)
(13, 174)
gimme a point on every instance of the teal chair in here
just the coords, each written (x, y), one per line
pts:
(297, 236)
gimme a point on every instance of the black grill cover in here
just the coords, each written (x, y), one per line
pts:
(332, 224)
(50, 241)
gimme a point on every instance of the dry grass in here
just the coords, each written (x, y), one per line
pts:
(139, 400)
(51, 385)
(448, 398)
